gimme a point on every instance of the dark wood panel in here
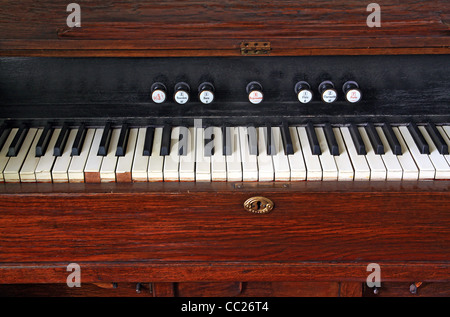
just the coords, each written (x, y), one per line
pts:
(404, 290)
(200, 28)
(184, 289)
(86, 290)
(258, 289)
(226, 289)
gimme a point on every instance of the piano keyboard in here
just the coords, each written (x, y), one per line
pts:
(269, 153)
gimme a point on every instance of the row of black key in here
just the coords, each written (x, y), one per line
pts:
(288, 147)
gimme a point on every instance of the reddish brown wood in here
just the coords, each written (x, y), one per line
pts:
(211, 289)
(225, 289)
(86, 290)
(350, 289)
(163, 289)
(200, 231)
(216, 28)
(158, 271)
(123, 177)
(92, 177)
(290, 289)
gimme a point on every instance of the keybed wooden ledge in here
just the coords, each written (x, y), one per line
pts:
(217, 28)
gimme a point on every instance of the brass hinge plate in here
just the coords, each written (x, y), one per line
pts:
(255, 48)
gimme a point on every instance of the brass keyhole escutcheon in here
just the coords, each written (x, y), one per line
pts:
(259, 205)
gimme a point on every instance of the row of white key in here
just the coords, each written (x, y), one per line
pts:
(239, 166)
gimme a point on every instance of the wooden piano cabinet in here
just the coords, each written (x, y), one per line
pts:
(177, 233)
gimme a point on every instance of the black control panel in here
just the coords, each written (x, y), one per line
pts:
(227, 89)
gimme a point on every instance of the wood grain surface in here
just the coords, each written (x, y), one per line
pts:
(217, 28)
(189, 232)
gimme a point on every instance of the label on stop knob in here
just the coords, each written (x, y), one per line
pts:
(181, 97)
(304, 96)
(255, 97)
(206, 96)
(158, 96)
(329, 95)
(353, 95)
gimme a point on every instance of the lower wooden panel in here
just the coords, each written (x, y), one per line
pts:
(226, 289)
(184, 289)
(174, 232)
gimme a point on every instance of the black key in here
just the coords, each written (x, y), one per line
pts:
(43, 141)
(61, 141)
(374, 138)
(312, 138)
(208, 137)
(331, 139)
(226, 140)
(148, 142)
(104, 141)
(418, 138)
(79, 140)
(287, 140)
(122, 143)
(357, 140)
(16, 143)
(395, 145)
(183, 141)
(4, 133)
(252, 140)
(270, 144)
(165, 141)
(437, 138)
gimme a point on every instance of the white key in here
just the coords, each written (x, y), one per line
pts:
(249, 162)
(376, 164)
(140, 162)
(156, 160)
(94, 161)
(218, 162)
(410, 170)
(312, 162)
(426, 168)
(360, 166)
(78, 163)
(62, 163)
(172, 161)
(446, 138)
(329, 168)
(343, 162)
(203, 168)
(234, 166)
(265, 165)
(446, 128)
(109, 163)
(280, 159)
(394, 171)
(11, 172)
(296, 160)
(43, 170)
(4, 151)
(125, 163)
(187, 162)
(440, 164)
(29, 165)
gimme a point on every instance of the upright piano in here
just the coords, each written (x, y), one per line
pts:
(225, 148)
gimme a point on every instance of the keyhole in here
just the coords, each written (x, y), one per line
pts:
(258, 205)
